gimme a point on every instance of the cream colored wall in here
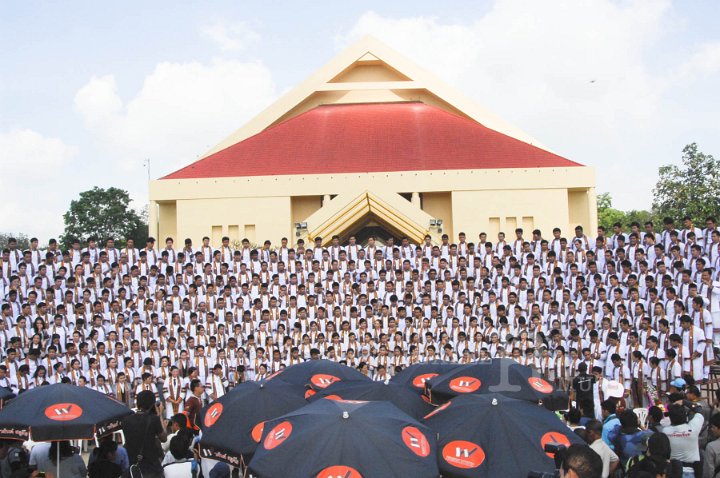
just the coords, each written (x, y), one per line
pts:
(304, 206)
(368, 94)
(494, 211)
(167, 221)
(369, 71)
(440, 206)
(579, 209)
(530, 197)
(407, 181)
(270, 217)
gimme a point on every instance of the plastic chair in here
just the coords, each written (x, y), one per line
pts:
(180, 469)
(642, 415)
(118, 436)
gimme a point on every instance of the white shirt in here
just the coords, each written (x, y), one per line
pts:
(606, 454)
(684, 440)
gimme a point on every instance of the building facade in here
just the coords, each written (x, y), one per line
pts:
(371, 144)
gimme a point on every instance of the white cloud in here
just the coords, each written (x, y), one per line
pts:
(575, 74)
(181, 111)
(29, 151)
(528, 56)
(705, 61)
(30, 162)
(234, 36)
(98, 100)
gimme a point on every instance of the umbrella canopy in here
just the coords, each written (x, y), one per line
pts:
(416, 375)
(6, 393)
(492, 435)
(318, 374)
(346, 438)
(399, 395)
(232, 425)
(61, 412)
(503, 376)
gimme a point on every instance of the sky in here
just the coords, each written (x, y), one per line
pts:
(91, 90)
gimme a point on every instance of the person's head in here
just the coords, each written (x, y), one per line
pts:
(693, 393)
(651, 467)
(655, 415)
(145, 400)
(608, 408)
(715, 425)
(178, 422)
(593, 431)
(65, 450)
(197, 387)
(581, 461)
(573, 416)
(628, 419)
(179, 445)
(677, 414)
(107, 450)
(659, 445)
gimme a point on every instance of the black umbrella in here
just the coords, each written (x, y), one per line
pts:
(399, 395)
(318, 374)
(232, 425)
(416, 375)
(6, 394)
(346, 438)
(492, 435)
(503, 376)
(61, 412)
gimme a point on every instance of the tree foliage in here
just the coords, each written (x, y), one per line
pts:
(691, 189)
(608, 215)
(103, 213)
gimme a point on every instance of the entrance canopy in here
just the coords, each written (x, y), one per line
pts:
(350, 215)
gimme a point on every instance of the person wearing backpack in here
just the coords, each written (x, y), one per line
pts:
(630, 440)
(143, 432)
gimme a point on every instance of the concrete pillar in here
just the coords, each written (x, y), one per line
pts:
(153, 227)
(415, 200)
(326, 200)
(592, 212)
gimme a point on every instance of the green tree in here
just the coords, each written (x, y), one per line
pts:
(607, 215)
(691, 189)
(642, 216)
(103, 213)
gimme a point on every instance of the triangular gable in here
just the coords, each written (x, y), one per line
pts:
(349, 210)
(336, 76)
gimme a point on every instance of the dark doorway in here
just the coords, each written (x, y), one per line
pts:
(381, 235)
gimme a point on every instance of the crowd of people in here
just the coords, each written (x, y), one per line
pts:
(640, 307)
(679, 437)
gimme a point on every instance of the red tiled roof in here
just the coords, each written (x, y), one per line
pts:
(374, 137)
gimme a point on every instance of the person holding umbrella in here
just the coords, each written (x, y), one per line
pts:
(61, 412)
(144, 431)
(71, 464)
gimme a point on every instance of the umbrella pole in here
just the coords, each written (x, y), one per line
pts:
(57, 465)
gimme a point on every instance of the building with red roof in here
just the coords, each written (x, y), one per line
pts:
(372, 145)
